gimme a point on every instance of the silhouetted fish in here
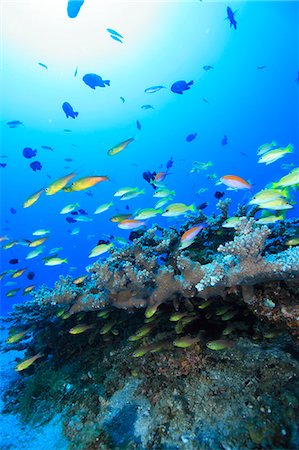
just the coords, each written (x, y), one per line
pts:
(73, 8)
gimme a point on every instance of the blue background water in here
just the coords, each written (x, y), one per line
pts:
(163, 42)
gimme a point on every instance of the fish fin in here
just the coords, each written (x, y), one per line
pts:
(76, 114)
(190, 83)
(107, 82)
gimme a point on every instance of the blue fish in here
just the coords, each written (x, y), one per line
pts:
(191, 137)
(180, 86)
(224, 140)
(76, 71)
(122, 99)
(70, 220)
(138, 124)
(93, 80)
(115, 33)
(35, 165)
(73, 8)
(147, 107)
(169, 163)
(231, 17)
(29, 152)
(46, 147)
(14, 123)
(116, 38)
(3, 164)
(43, 65)
(69, 112)
(206, 68)
(13, 210)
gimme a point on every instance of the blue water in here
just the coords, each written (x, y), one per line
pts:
(163, 42)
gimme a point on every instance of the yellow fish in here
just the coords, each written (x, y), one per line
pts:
(273, 155)
(291, 179)
(9, 245)
(79, 280)
(27, 363)
(37, 242)
(55, 261)
(87, 182)
(28, 289)
(16, 337)
(177, 209)
(120, 217)
(18, 273)
(81, 328)
(99, 250)
(12, 292)
(185, 342)
(33, 198)
(293, 241)
(3, 238)
(220, 344)
(59, 184)
(119, 147)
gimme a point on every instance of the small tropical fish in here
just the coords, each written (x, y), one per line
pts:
(43, 65)
(291, 179)
(28, 152)
(87, 182)
(220, 344)
(151, 310)
(191, 137)
(273, 155)
(276, 205)
(107, 327)
(120, 217)
(14, 124)
(163, 192)
(138, 124)
(55, 261)
(132, 194)
(224, 140)
(99, 250)
(122, 99)
(293, 241)
(93, 80)
(13, 261)
(81, 328)
(16, 337)
(287, 166)
(9, 245)
(205, 304)
(177, 209)
(34, 253)
(141, 333)
(75, 232)
(180, 86)
(18, 273)
(119, 147)
(264, 148)
(177, 316)
(37, 242)
(121, 240)
(35, 165)
(3, 238)
(267, 220)
(76, 71)
(147, 107)
(120, 192)
(10, 283)
(185, 342)
(46, 147)
(30, 275)
(103, 208)
(153, 89)
(68, 110)
(235, 182)
(69, 208)
(190, 235)
(261, 67)
(59, 184)
(32, 199)
(231, 17)
(116, 38)
(40, 232)
(146, 213)
(162, 202)
(55, 250)
(141, 351)
(115, 33)
(12, 292)
(267, 195)
(79, 280)
(229, 315)
(198, 166)
(130, 224)
(231, 222)
(28, 362)
(206, 68)
(83, 219)
(28, 289)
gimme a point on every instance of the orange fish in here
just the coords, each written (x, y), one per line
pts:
(130, 224)
(191, 233)
(87, 182)
(18, 273)
(235, 182)
(160, 176)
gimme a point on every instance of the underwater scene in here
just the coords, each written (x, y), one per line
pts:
(149, 272)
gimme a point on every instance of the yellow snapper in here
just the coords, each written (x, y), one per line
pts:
(231, 222)
(99, 250)
(163, 192)
(34, 253)
(40, 232)
(276, 205)
(177, 209)
(119, 147)
(264, 148)
(273, 155)
(267, 220)
(267, 195)
(291, 179)
(131, 194)
(120, 192)
(147, 213)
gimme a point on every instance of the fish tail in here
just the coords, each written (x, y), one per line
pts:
(190, 83)
(289, 148)
(76, 113)
(65, 260)
(192, 208)
(107, 82)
